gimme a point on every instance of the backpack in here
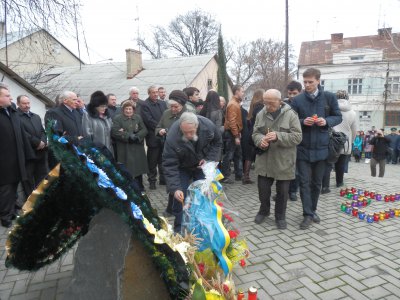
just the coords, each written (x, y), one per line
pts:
(337, 140)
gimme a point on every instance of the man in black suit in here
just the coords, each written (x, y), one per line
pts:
(68, 119)
(14, 150)
(152, 110)
(32, 124)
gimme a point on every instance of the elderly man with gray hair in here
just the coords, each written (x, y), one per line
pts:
(276, 134)
(190, 142)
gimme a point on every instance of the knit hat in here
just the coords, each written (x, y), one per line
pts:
(393, 129)
(342, 94)
(178, 96)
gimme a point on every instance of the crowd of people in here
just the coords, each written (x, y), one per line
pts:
(169, 138)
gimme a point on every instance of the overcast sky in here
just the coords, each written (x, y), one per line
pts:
(110, 27)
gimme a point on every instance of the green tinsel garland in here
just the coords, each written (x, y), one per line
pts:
(61, 215)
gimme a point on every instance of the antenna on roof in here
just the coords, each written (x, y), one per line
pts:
(138, 31)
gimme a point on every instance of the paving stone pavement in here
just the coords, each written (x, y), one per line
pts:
(340, 258)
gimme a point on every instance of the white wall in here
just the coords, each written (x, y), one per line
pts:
(16, 89)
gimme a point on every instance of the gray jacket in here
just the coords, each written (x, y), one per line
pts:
(279, 160)
(97, 129)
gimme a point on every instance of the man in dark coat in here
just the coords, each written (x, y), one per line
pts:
(151, 112)
(15, 150)
(113, 109)
(317, 110)
(32, 124)
(68, 119)
(190, 142)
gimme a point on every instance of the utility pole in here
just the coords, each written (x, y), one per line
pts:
(385, 96)
(287, 45)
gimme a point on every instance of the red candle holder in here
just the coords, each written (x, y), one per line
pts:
(376, 217)
(392, 198)
(387, 198)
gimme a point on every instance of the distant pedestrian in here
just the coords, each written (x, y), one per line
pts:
(380, 145)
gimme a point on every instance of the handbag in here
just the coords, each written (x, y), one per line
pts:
(337, 140)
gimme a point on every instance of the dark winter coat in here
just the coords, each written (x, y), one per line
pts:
(151, 112)
(314, 146)
(132, 155)
(179, 154)
(381, 145)
(32, 125)
(15, 148)
(67, 122)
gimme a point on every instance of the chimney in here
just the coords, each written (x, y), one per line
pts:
(337, 38)
(133, 63)
(385, 33)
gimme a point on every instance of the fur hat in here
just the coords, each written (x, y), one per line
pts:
(178, 96)
(342, 94)
(98, 98)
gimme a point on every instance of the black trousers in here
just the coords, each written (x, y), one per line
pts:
(340, 167)
(154, 160)
(264, 194)
(37, 170)
(8, 198)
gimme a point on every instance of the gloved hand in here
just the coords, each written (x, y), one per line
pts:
(133, 138)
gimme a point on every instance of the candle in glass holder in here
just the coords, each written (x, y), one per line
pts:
(387, 214)
(354, 212)
(376, 217)
(382, 215)
(397, 212)
(391, 212)
(378, 197)
(370, 218)
(361, 214)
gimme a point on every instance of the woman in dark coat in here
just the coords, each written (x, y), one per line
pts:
(129, 131)
(97, 122)
(248, 148)
(212, 109)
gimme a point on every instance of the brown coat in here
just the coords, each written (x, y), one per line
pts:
(233, 117)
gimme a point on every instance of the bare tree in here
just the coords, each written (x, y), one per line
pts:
(155, 47)
(243, 64)
(260, 63)
(27, 14)
(193, 33)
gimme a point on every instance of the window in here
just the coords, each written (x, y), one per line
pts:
(392, 118)
(322, 84)
(209, 84)
(394, 85)
(354, 86)
(357, 57)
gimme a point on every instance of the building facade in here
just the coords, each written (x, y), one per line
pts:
(368, 67)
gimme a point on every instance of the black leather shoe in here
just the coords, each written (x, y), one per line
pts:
(325, 190)
(238, 178)
(316, 218)
(227, 181)
(6, 224)
(260, 218)
(293, 197)
(167, 214)
(339, 184)
(306, 222)
(153, 186)
(281, 224)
